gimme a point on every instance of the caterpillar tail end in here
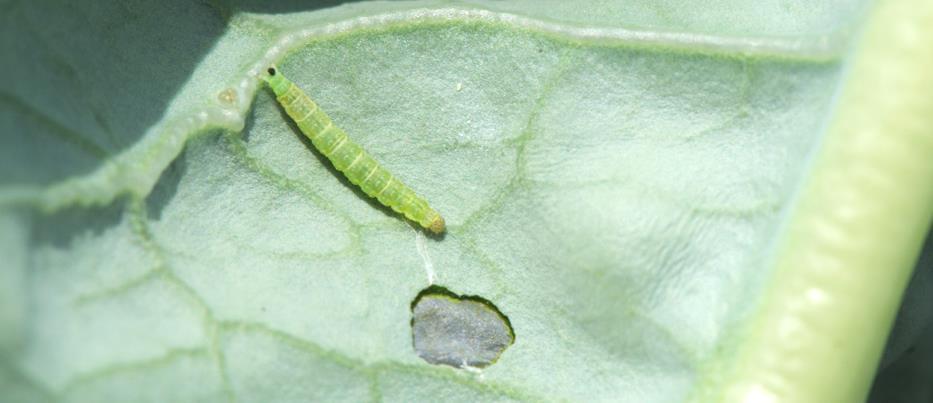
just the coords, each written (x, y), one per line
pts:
(437, 226)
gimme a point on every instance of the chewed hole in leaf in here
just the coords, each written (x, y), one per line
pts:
(460, 331)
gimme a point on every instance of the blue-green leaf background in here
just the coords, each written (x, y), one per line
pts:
(613, 175)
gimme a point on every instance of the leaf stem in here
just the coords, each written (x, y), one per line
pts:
(854, 233)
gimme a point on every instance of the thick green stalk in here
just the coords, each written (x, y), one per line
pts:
(854, 233)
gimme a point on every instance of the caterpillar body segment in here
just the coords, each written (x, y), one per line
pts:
(348, 157)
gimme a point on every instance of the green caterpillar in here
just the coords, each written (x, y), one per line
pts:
(348, 157)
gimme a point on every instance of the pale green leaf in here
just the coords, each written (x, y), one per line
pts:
(613, 176)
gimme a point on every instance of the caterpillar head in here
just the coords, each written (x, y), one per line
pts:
(269, 74)
(275, 79)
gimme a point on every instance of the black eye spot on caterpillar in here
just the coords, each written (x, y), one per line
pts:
(348, 157)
